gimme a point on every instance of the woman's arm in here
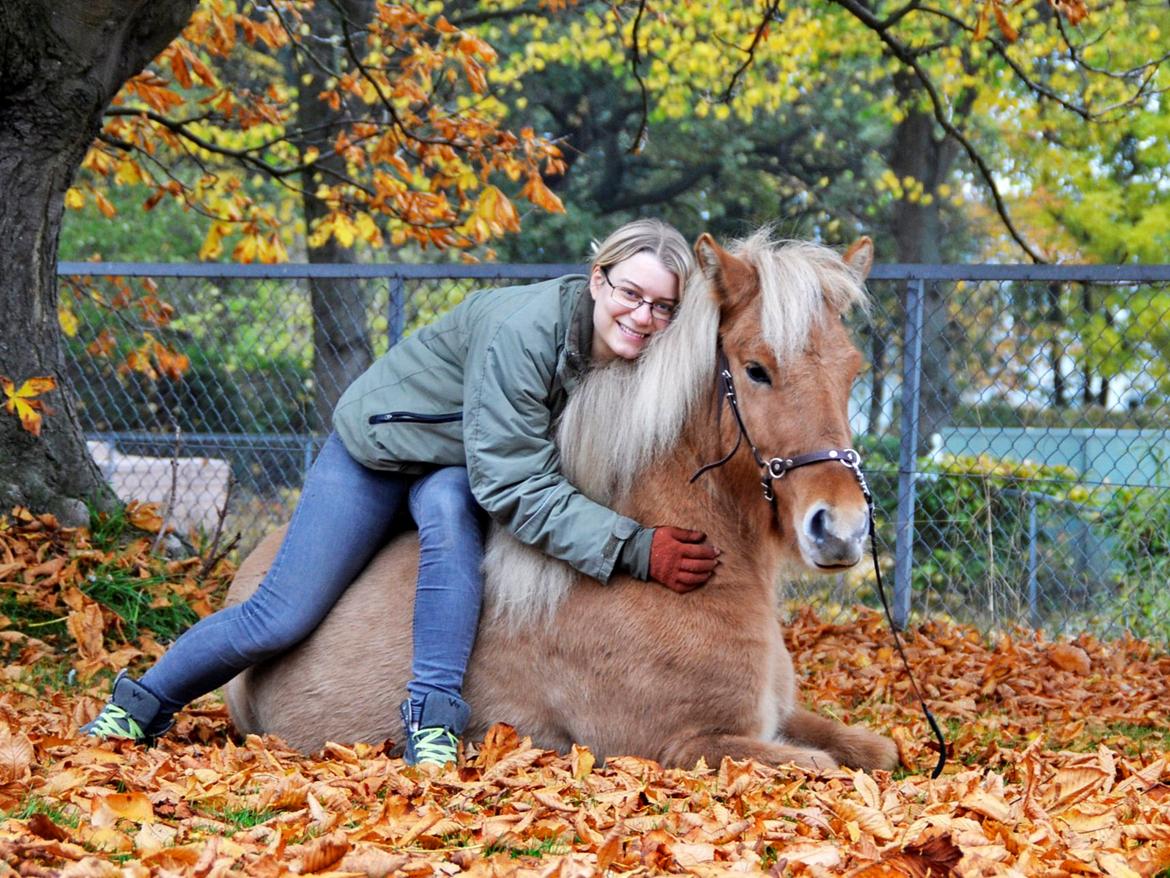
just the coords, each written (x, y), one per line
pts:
(515, 467)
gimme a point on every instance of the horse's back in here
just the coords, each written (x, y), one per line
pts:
(344, 681)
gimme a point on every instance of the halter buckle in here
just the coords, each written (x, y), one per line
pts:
(778, 467)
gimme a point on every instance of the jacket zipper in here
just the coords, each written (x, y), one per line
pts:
(415, 418)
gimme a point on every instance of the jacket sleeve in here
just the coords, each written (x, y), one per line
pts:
(513, 465)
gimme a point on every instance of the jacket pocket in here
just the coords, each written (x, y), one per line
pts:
(415, 418)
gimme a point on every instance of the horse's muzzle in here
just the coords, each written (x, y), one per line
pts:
(833, 538)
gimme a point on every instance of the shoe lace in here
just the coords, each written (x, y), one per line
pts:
(115, 722)
(435, 745)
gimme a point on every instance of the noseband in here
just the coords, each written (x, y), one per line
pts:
(777, 468)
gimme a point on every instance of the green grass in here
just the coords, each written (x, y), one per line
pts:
(241, 818)
(537, 849)
(49, 675)
(36, 805)
(127, 595)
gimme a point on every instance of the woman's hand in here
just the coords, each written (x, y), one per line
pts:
(680, 559)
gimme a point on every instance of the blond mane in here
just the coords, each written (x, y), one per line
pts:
(627, 414)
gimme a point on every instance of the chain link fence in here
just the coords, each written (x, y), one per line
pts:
(1014, 420)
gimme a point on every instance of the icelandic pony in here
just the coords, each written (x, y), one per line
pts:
(632, 667)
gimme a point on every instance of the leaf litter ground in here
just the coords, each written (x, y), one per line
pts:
(1057, 764)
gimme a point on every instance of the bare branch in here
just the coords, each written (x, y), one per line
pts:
(635, 61)
(769, 12)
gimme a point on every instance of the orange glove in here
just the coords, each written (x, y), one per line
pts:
(680, 559)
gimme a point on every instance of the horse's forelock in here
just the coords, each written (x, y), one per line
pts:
(798, 279)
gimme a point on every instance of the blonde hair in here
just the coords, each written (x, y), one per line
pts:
(647, 236)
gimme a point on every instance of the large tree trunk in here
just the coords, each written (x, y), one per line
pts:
(61, 62)
(341, 342)
(918, 154)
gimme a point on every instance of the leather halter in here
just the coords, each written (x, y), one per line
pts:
(778, 467)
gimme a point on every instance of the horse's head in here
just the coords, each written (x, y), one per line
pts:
(792, 364)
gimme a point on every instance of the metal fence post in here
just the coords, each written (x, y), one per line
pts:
(908, 451)
(397, 309)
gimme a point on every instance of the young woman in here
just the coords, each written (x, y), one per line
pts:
(452, 422)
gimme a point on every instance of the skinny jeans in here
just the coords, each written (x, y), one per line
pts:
(346, 513)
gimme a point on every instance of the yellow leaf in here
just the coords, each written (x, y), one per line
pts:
(213, 244)
(540, 195)
(131, 806)
(344, 230)
(74, 198)
(68, 321)
(368, 229)
(582, 762)
(22, 402)
(984, 21)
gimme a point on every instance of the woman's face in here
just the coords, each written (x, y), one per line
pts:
(618, 329)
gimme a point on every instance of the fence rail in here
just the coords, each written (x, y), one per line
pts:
(1015, 419)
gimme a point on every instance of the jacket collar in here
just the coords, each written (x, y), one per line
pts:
(579, 338)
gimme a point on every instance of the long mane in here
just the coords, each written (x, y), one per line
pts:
(627, 414)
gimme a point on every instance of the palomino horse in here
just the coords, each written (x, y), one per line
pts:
(632, 667)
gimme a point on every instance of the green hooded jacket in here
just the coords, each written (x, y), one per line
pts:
(482, 387)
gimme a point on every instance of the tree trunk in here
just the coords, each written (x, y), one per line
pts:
(341, 342)
(61, 62)
(918, 236)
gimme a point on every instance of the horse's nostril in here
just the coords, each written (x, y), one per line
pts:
(818, 525)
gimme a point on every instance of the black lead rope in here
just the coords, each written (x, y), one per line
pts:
(777, 468)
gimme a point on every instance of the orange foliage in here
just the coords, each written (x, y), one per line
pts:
(420, 144)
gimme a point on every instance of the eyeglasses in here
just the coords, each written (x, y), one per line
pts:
(661, 312)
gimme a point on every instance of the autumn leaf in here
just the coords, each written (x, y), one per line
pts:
(320, 854)
(1075, 11)
(1070, 658)
(23, 401)
(144, 516)
(16, 755)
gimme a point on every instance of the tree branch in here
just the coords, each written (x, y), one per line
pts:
(769, 12)
(942, 117)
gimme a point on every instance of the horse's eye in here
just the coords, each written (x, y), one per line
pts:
(758, 374)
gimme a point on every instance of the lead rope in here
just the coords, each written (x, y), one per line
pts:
(881, 589)
(777, 468)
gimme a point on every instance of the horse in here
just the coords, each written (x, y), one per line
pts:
(630, 667)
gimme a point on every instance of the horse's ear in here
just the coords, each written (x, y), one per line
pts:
(859, 257)
(731, 278)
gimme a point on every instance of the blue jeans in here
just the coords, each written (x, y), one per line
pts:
(347, 512)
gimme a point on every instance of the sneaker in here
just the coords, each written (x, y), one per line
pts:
(131, 714)
(432, 737)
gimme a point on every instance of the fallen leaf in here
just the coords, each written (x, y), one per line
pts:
(1070, 658)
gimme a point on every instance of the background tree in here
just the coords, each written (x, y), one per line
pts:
(704, 102)
(417, 156)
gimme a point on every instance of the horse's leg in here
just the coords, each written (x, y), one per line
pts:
(684, 752)
(849, 745)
